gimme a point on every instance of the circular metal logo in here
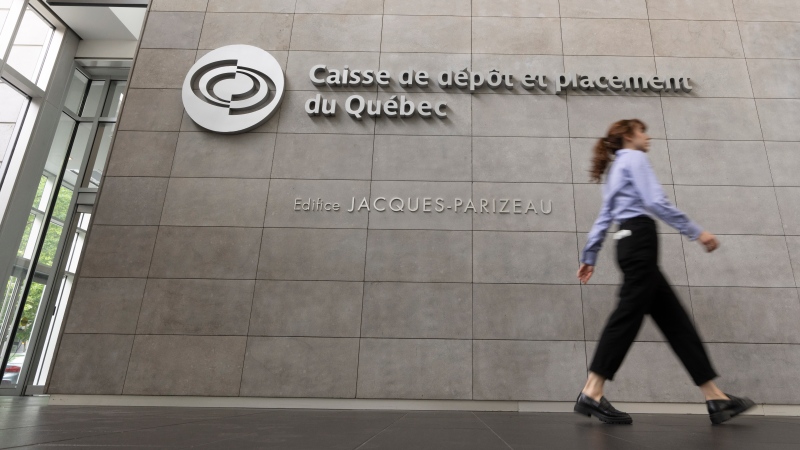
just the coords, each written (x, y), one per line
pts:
(233, 89)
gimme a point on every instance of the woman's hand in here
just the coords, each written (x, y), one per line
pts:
(708, 240)
(585, 272)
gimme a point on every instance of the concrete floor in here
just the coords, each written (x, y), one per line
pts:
(29, 423)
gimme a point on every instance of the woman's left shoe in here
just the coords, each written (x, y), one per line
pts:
(603, 410)
(723, 410)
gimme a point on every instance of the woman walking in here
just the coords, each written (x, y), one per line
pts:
(631, 197)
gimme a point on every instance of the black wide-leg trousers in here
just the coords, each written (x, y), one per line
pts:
(646, 291)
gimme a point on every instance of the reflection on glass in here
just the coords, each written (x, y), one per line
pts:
(51, 245)
(30, 45)
(20, 270)
(66, 139)
(13, 106)
(92, 103)
(43, 273)
(102, 143)
(26, 246)
(22, 336)
(77, 88)
(115, 92)
(11, 103)
(53, 233)
(12, 286)
(5, 6)
(67, 281)
(13, 368)
(79, 145)
(5, 12)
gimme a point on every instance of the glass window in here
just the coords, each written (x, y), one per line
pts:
(82, 136)
(11, 103)
(114, 98)
(5, 11)
(22, 268)
(6, 135)
(13, 106)
(102, 143)
(27, 38)
(22, 337)
(26, 245)
(72, 253)
(30, 45)
(91, 105)
(44, 270)
(5, 5)
(43, 273)
(56, 225)
(76, 91)
(61, 143)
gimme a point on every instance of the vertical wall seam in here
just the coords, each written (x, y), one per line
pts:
(108, 161)
(264, 221)
(266, 206)
(572, 183)
(366, 237)
(472, 194)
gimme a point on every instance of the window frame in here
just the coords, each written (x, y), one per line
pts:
(35, 91)
(35, 374)
(33, 123)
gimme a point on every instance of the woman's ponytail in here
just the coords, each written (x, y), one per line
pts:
(605, 148)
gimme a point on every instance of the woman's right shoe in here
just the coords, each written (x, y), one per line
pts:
(724, 410)
(602, 410)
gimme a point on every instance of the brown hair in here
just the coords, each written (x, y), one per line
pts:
(606, 147)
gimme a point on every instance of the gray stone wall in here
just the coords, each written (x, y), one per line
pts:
(199, 279)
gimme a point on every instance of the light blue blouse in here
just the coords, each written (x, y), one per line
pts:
(631, 189)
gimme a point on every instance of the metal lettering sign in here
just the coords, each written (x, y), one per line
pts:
(228, 90)
(427, 205)
(462, 80)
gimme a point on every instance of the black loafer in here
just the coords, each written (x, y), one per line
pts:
(723, 410)
(602, 410)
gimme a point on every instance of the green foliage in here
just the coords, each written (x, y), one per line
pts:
(50, 244)
(26, 235)
(62, 203)
(54, 230)
(40, 192)
(29, 226)
(29, 313)
(46, 257)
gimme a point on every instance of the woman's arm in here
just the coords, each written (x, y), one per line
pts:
(654, 199)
